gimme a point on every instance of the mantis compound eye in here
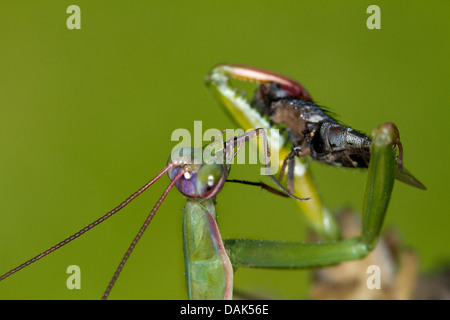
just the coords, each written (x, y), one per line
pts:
(187, 183)
(202, 183)
(210, 180)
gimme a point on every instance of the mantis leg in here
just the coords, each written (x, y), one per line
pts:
(380, 181)
(209, 274)
(318, 216)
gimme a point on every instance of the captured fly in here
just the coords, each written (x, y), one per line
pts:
(315, 133)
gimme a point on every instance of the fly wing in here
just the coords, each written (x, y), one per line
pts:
(406, 177)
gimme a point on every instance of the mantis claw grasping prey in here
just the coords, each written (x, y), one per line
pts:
(211, 262)
(312, 132)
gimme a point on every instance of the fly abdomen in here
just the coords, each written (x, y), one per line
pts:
(340, 145)
(342, 137)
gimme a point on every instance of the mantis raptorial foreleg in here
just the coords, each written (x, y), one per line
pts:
(380, 180)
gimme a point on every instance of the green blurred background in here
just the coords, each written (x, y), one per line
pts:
(86, 118)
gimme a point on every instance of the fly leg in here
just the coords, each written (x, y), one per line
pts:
(260, 184)
(398, 144)
(402, 173)
(237, 141)
(289, 163)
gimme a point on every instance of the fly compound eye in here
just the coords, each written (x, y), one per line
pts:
(210, 180)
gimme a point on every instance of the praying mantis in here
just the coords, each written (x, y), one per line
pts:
(211, 262)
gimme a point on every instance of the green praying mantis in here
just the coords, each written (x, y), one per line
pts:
(211, 262)
(209, 265)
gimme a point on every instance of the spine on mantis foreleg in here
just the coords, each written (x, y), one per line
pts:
(209, 274)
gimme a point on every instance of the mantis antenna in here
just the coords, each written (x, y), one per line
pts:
(141, 231)
(90, 226)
